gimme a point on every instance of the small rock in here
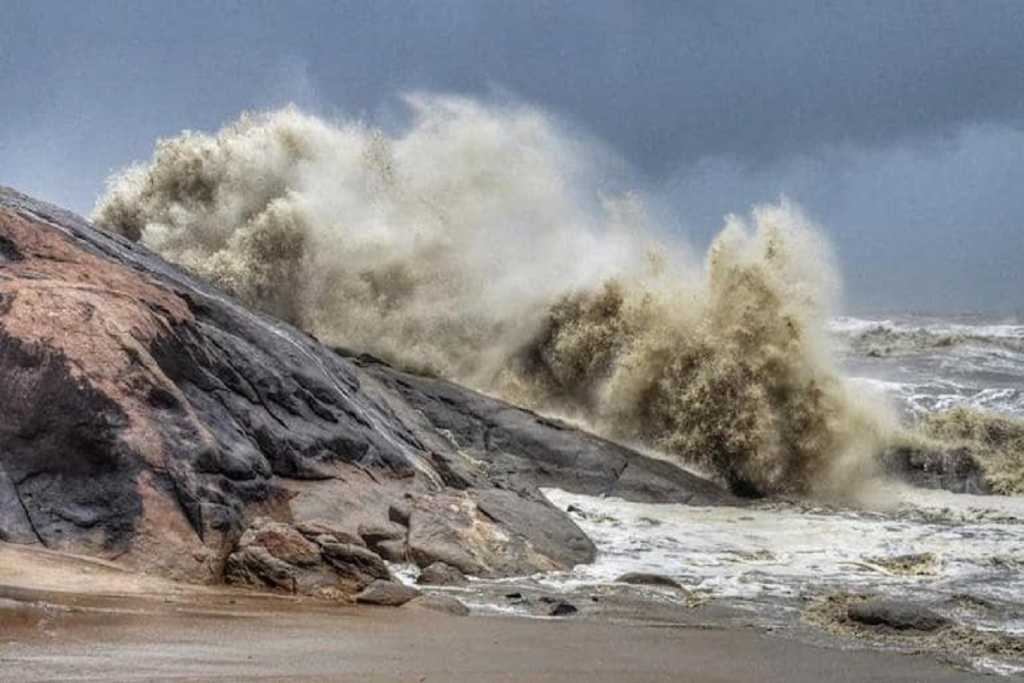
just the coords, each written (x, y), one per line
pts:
(440, 603)
(388, 593)
(392, 551)
(896, 614)
(355, 562)
(644, 579)
(399, 513)
(377, 532)
(562, 609)
(441, 574)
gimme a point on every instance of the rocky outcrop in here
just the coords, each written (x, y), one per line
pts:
(150, 418)
(276, 555)
(439, 603)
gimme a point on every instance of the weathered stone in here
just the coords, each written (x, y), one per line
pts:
(896, 614)
(282, 541)
(355, 562)
(494, 533)
(548, 530)
(399, 513)
(317, 528)
(255, 566)
(439, 603)
(441, 574)
(374, 533)
(275, 555)
(392, 551)
(387, 593)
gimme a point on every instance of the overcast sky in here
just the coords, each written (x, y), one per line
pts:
(899, 126)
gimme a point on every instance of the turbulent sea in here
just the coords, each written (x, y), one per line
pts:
(961, 554)
(481, 243)
(927, 363)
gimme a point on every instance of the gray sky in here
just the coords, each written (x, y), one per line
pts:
(899, 126)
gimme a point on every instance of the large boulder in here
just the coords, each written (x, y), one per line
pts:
(278, 556)
(151, 418)
(445, 604)
(387, 594)
(441, 574)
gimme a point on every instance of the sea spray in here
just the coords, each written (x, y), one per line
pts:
(475, 244)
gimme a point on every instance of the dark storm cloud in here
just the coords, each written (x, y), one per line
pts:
(743, 100)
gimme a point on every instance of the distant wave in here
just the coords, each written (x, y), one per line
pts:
(886, 337)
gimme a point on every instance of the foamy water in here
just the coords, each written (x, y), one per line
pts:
(783, 550)
(962, 554)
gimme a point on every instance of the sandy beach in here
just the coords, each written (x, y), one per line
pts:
(245, 642)
(79, 619)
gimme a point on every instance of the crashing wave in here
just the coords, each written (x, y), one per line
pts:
(476, 244)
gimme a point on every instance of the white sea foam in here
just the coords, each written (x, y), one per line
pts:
(766, 553)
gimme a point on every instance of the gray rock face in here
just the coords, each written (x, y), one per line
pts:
(392, 551)
(358, 563)
(150, 417)
(374, 533)
(387, 593)
(441, 574)
(896, 614)
(497, 445)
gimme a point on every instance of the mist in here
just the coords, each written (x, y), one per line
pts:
(478, 244)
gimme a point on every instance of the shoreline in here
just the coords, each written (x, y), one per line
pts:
(276, 641)
(109, 625)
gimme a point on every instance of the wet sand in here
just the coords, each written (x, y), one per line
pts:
(117, 627)
(133, 639)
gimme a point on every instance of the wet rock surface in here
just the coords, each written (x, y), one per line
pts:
(150, 418)
(441, 574)
(276, 555)
(439, 603)
(387, 593)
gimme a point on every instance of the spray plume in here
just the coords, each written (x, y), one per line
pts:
(474, 245)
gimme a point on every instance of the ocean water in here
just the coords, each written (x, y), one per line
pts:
(928, 363)
(961, 554)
